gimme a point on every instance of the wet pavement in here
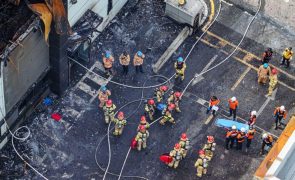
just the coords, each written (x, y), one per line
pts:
(66, 149)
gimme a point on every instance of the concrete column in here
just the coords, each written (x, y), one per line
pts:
(59, 71)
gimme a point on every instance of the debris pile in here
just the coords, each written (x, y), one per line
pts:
(13, 22)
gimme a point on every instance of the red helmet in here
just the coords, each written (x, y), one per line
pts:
(274, 71)
(164, 88)
(141, 127)
(120, 114)
(151, 102)
(109, 102)
(177, 94)
(177, 146)
(142, 119)
(201, 152)
(210, 139)
(183, 136)
(171, 107)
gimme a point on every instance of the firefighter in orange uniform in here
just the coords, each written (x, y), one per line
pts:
(250, 136)
(138, 61)
(279, 113)
(263, 73)
(108, 61)
(231, 137)
(103, 95)
(267, 140)
(241, 138)
(214, 101)
(233, 106)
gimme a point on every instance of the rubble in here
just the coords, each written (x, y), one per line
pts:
(13, 21)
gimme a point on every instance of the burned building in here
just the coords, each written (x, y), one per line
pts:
(31, 64)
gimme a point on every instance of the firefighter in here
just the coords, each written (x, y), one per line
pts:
(214, 101)
(181, 2)
(201, 163)
(279, 113)
(103, 95)
(273, 80)
(241, 138)
(266, 56)
(143, 122)
(287, 56)
(184, 143)
(180, 67)
(252, 119)
(138, 61)
(177, 155)
(263, 72)
(141, 137)
(174, 98)
(124, 61)
(120, 122)
(250, 136)
(233, 106)
(267, 140)
(150, 109)
(108, 61)
(159, 93)
(109, 109)
(209, 147)
(231, 137)
(168, 115)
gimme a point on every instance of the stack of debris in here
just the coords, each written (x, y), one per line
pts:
(83, 31)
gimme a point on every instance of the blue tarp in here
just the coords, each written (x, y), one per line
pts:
(229, 123)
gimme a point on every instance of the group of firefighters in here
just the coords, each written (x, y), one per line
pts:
(233, 135)
(265, 73)
(124, 59)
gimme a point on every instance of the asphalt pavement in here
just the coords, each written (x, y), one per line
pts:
(66, 149)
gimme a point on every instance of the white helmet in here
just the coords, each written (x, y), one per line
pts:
(243, 129)
(234, 127)
(233, 99)
(264, 135)
(253, 113)
(282, 108)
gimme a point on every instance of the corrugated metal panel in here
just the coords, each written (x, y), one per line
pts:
(27, 63)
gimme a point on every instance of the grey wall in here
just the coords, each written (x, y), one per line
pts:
(28, 63)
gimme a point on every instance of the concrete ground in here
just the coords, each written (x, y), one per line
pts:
(67, 149)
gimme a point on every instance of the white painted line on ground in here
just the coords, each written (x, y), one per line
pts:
(86, 88)
(201, 101)
(267, 101)
(209, 119)
(199, 78)
(241, 78)
(171, 49)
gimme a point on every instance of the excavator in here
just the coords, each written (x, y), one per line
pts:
(48, 11)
